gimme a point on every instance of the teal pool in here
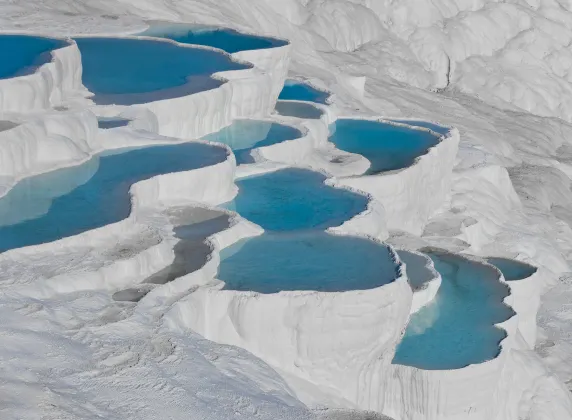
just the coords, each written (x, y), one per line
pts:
(387, 146)
(225, 39)
(242, 136)
(318, 261)
(126, 71)
(458, 327)
(70, 201)
(22, 54)
(294, 199)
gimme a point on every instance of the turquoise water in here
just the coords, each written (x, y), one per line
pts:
(244, 135)
(225, 39)
(300, 91)
(306, 261)
(127, 71)
(439, 129)
(457, 328)
(69, 201)
(298, 110)
(388, 147)
(512, 269)
(23, 53)
(291, 199)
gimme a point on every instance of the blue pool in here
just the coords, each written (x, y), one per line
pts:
(306, 261)
(457, 328)
(69, 201)
(245, 135)
(127, 71)
(300, 91)
(512, 269)
(388, 147)
(21, 54)
(291, 199)
(225, 39)
(298, 110)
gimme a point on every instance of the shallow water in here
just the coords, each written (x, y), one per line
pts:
(127, 71)
(298, 110)
(388, 147)
(21, 54)
(512, 269)
(296, 90)
(417, 272)
(225, 39)
(306, 261)
(193, 226)
(293, 199)
(242, 136)
(108, 123)
(69, 201)
(457, 328)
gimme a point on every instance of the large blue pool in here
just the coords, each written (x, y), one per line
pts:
(245, 135)
(457, 328)
(21, 54)
(300, 91)
(228, 40)
(127, 71)
(69, 201)
(306, 261)
(387, 146)
(512, 269)
(294, 199)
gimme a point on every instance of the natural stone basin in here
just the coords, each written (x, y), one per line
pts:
(243, 136)
(70, 201)
(298, 110)
(225, 39)
(318, 261)
(300, 91)
(22, 54)
(458, 327)
(294, 199)
(512, 269)
(126, 71)
(387, 146)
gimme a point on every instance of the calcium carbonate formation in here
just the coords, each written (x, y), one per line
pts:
(128, 211)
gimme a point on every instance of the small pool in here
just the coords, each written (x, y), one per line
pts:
(387, 146)
(512, 269)
(418, 273)
(457, 328)
(127, 71)
(225, 39)
(299, 91)
(70, 201)
(242, 136)
(298, 110)
(193, 226)
(291, 199)
(22, 54)
(306, 261)
(106, 123)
